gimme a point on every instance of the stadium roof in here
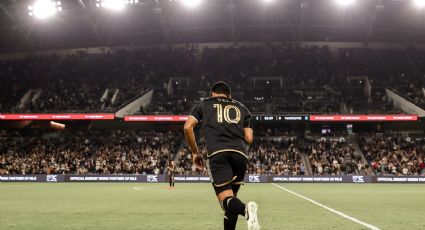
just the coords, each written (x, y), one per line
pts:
(82, 24)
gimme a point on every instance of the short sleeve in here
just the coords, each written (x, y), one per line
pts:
(247, 120)
(196, 112)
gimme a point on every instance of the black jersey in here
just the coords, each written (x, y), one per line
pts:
(171, 169)
(223, 122)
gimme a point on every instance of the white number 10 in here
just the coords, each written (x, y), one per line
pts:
(226, 113)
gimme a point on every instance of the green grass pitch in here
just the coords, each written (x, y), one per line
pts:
(193, 206)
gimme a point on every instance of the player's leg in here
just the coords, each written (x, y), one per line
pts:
(222, 178)
(232, 206)
(172, 181)
(231, 219)
(239, 166)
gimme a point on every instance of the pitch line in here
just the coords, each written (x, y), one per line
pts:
(369, 226)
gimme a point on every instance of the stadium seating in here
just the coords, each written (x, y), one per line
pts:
(394, 154)
(85, 152)
(276, 156)
(334, 158)
(136, 152)
(279, 78)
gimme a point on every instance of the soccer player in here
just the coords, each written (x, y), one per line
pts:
(171, 169)
(227, 131)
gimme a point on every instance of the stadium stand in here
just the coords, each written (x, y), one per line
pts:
(394, 154)
(82, 152)
(79, 82)
(137, 152)
(282, 78)
(334, 158)
(276, 156)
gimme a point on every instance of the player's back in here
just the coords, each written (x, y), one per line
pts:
(223, 123)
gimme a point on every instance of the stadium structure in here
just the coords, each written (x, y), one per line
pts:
(94, 94)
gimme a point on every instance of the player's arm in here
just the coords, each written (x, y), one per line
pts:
(247, 130)
(248, 135)
(189, 134)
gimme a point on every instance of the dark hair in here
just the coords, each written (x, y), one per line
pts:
(222, 88)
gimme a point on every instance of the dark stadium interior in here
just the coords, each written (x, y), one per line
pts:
(281, 78)
(113, 114)
(164, 21)
(290, 59)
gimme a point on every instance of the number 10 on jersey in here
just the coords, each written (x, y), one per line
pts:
(225, 113)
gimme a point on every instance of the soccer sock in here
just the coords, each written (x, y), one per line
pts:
(234, 205)
(173, 183)
(170, 183)
(230, 221)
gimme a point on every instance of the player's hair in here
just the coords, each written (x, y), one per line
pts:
(222, 88)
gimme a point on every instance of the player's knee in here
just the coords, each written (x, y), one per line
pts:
(221, 205)
(225, 203)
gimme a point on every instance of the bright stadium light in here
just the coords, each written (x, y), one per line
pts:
(419, 3)
(191, 3)
(345, 3)
(44, 8)
(117, 5)
(268, 1)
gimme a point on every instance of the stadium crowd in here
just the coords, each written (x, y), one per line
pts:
(78, 82)
(276, 156)
(334, 158)
(398, 69)
(86, 152)
(394, 154)
(290, 78)
(137, 152)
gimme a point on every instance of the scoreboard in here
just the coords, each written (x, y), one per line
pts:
(282, 118)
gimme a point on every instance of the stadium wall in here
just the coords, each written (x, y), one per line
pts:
(206, 179)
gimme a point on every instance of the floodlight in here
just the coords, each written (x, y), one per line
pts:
(268, 1)
(345, 3)
(117, 5)
(191, 3)
(419, 3)
(44, 8)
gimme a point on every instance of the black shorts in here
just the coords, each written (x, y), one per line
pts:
(227, 171)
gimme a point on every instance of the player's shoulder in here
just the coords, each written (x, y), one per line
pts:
(206, 101)
(240, 104)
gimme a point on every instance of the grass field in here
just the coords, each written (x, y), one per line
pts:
(193, 206)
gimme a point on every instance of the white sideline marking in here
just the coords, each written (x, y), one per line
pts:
(369, 226)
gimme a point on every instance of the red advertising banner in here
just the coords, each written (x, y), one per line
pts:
(159, 118)
(73, 116)
(182, 118)
(364, 117)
